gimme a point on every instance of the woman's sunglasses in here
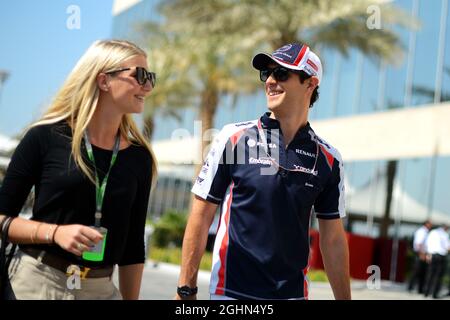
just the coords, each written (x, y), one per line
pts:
(279, 73)
(141, 75)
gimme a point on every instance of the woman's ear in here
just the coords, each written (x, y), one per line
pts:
(102, 82)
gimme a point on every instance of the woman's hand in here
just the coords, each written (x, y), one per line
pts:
(76, 238)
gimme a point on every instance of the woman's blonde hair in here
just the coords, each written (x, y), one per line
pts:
(77, 100)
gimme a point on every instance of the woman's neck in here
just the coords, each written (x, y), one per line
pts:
(103, 127)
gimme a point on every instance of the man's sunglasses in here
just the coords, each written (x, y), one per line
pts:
(141, 75)
(279, 73)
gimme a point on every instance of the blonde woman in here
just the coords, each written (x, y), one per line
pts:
(92, 170)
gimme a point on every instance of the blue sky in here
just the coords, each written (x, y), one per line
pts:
(39, 50)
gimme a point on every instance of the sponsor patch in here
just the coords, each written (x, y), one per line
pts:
(271, 145)
(242, 124)
(305, 153)
(285, 48)
(312, 64)
(259, 161)
(310, 70)
(305, 170)
(200, 180)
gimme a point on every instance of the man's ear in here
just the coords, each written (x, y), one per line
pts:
(102, 82)
(313, 82)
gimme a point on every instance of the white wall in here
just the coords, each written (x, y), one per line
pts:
(405, 133)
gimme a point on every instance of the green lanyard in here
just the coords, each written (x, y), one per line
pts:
(100, 187)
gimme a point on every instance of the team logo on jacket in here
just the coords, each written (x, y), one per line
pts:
(200, 180)
(305, 153)
(205, 167)
(270, 145)
(251, 143)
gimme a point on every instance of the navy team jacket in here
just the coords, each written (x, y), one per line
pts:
(267, 192)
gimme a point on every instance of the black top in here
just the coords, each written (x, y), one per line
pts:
(64, 195)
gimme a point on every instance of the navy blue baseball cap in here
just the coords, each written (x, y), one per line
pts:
(294, 56)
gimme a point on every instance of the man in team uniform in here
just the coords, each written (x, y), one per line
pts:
(268, 176)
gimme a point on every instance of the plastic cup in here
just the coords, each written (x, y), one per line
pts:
(97, 252)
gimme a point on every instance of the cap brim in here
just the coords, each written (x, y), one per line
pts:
(261, 60)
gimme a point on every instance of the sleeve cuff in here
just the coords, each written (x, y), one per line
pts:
(328, 216)
(206, 196)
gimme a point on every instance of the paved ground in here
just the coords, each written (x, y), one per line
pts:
(160, 281)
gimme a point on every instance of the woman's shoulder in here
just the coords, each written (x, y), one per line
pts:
(47, 134)
(140, 158)
(139, 151)
(45, 129)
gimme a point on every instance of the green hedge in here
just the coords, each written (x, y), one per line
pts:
(169, 230)
(173, 256)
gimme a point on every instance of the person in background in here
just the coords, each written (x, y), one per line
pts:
(438, 245)
(420, 263)
(92, 171)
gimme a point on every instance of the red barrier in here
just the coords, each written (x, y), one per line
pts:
(315, 257)
(361, 250)
(383, 256)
